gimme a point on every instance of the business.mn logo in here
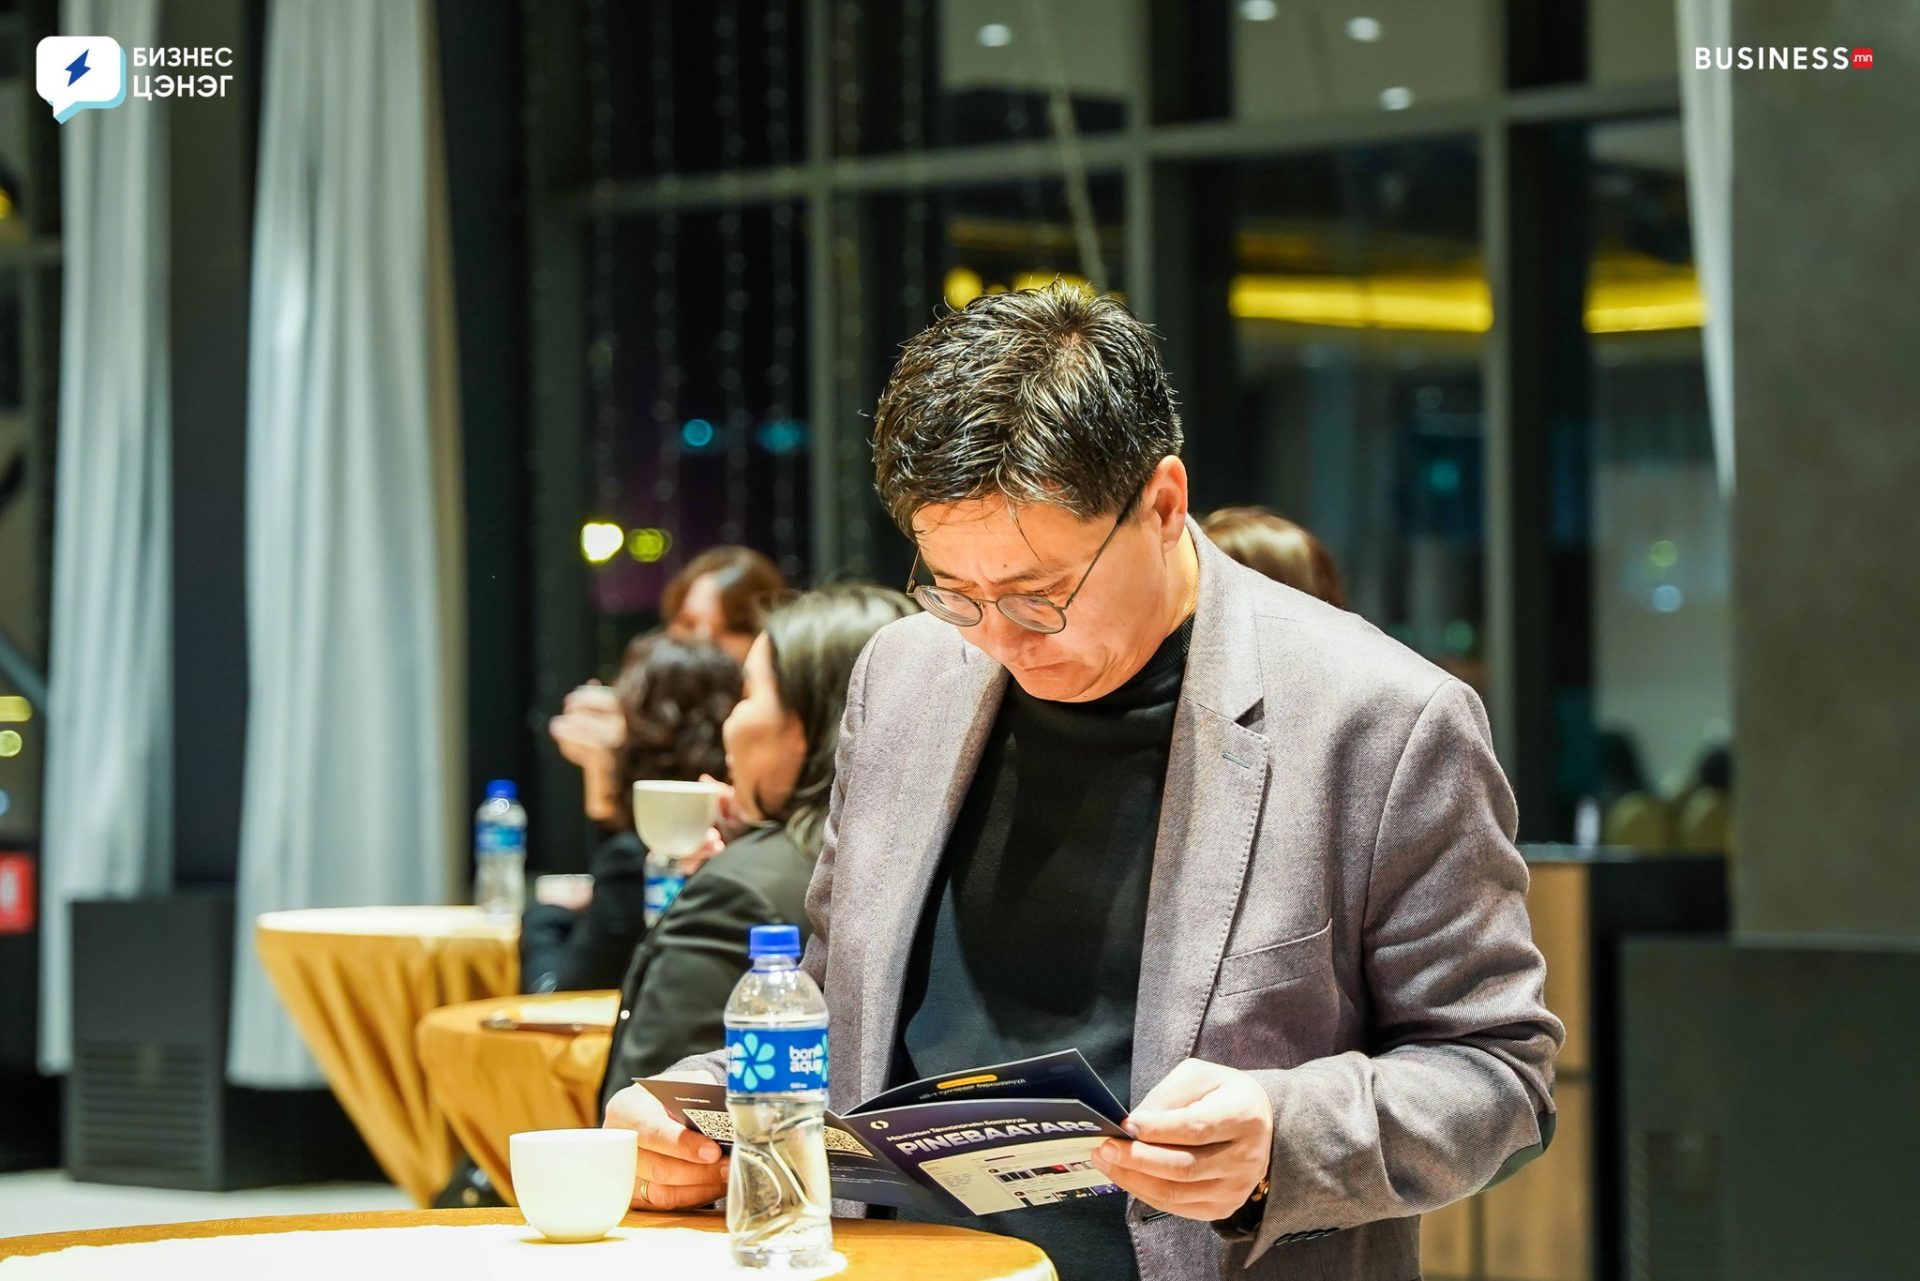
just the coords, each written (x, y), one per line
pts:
(1781, 58)
(80, 73)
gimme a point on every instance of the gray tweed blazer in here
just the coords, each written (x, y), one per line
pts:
(1336, 907)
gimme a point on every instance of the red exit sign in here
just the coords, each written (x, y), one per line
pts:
(16, 894)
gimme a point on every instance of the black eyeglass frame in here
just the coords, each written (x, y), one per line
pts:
(939, 610)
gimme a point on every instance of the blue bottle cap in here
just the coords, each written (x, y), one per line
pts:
(773, 940)
(502, 789)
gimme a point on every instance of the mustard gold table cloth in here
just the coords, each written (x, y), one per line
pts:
(492, 1084)
(357, 981)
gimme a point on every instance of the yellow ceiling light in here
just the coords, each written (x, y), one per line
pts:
(648, 545)
(601, 541)
(962, 286)
(1457, 304)
(1635, 305)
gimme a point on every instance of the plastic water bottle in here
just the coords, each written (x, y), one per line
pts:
(666, 876)
(1587, 823)
(778, 1198)
(500, 853)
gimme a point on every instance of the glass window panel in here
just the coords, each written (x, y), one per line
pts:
(1630, 40)
(1297, 59)
(697, 383)
(697, 87)
(941, 73)
(1358, 307)
(1638, 495)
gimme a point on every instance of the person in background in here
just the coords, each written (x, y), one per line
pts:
(1283, 551)
(721, 596)
(781, 740)
(672, 697)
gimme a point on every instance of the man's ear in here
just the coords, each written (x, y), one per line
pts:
(1167, 493)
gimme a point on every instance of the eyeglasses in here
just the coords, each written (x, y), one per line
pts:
(1030, 610)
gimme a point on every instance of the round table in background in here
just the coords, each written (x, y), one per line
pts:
(492, 1083)
(356, 981)
(874, 1251)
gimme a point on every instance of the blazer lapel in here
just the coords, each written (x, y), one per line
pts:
(960, 709)
(1216, 782)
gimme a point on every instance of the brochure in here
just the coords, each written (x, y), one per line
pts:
(977, 1142)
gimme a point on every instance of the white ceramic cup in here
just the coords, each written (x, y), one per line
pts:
(672, 817)
(560, 889)
(574, 1185)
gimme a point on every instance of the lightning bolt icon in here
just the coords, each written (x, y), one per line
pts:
(78, 67)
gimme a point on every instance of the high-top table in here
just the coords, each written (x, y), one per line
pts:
(492, 1083)
(488, 1245)
(356, 981)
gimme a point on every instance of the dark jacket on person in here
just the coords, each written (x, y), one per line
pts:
(562, 950)
(676, 990)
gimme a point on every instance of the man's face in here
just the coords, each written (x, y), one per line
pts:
(987, 549)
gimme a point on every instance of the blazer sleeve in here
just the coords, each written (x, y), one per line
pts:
(562, 950)
(820, 890)
(696, 953)
(614, 923)
(545, 931)
(1458, 1089)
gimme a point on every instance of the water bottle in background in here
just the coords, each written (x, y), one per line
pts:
(1587, 823)
(778, 1199)
(500, 853)
(666, 876)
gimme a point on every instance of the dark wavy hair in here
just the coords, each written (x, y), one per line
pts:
(814, 640)
(676, 695)
(1051, 395)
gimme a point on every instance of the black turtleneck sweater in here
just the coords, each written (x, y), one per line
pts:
(1030, 938)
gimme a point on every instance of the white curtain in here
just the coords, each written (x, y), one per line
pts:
(1706, 116)
(108, 810)
(352, 538)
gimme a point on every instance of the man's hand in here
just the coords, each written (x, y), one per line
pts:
(1202, 1141)
(678, 1167)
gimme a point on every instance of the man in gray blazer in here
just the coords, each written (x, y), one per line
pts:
(1114, 791)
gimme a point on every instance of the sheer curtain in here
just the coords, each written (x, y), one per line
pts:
(1706, 116)
(108, 815)
(352, 539)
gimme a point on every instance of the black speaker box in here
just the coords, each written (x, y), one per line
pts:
(147, 1102)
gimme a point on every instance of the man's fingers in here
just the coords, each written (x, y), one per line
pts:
(635, 1109)
(1192, 1080)
(1165, 1194)
(1214, 1119)
(671, 1171)
(648, 1195)
(1177, 1165)
(677, 1140)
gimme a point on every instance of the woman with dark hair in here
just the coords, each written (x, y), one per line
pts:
(781, 740)
(721, 596)
(673, 697)
(1283, 551)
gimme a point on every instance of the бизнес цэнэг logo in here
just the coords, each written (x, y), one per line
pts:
(78, 73)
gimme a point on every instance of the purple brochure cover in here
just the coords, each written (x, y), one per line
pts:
(982, 1141)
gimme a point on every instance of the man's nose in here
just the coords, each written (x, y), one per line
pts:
(1005, 639)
